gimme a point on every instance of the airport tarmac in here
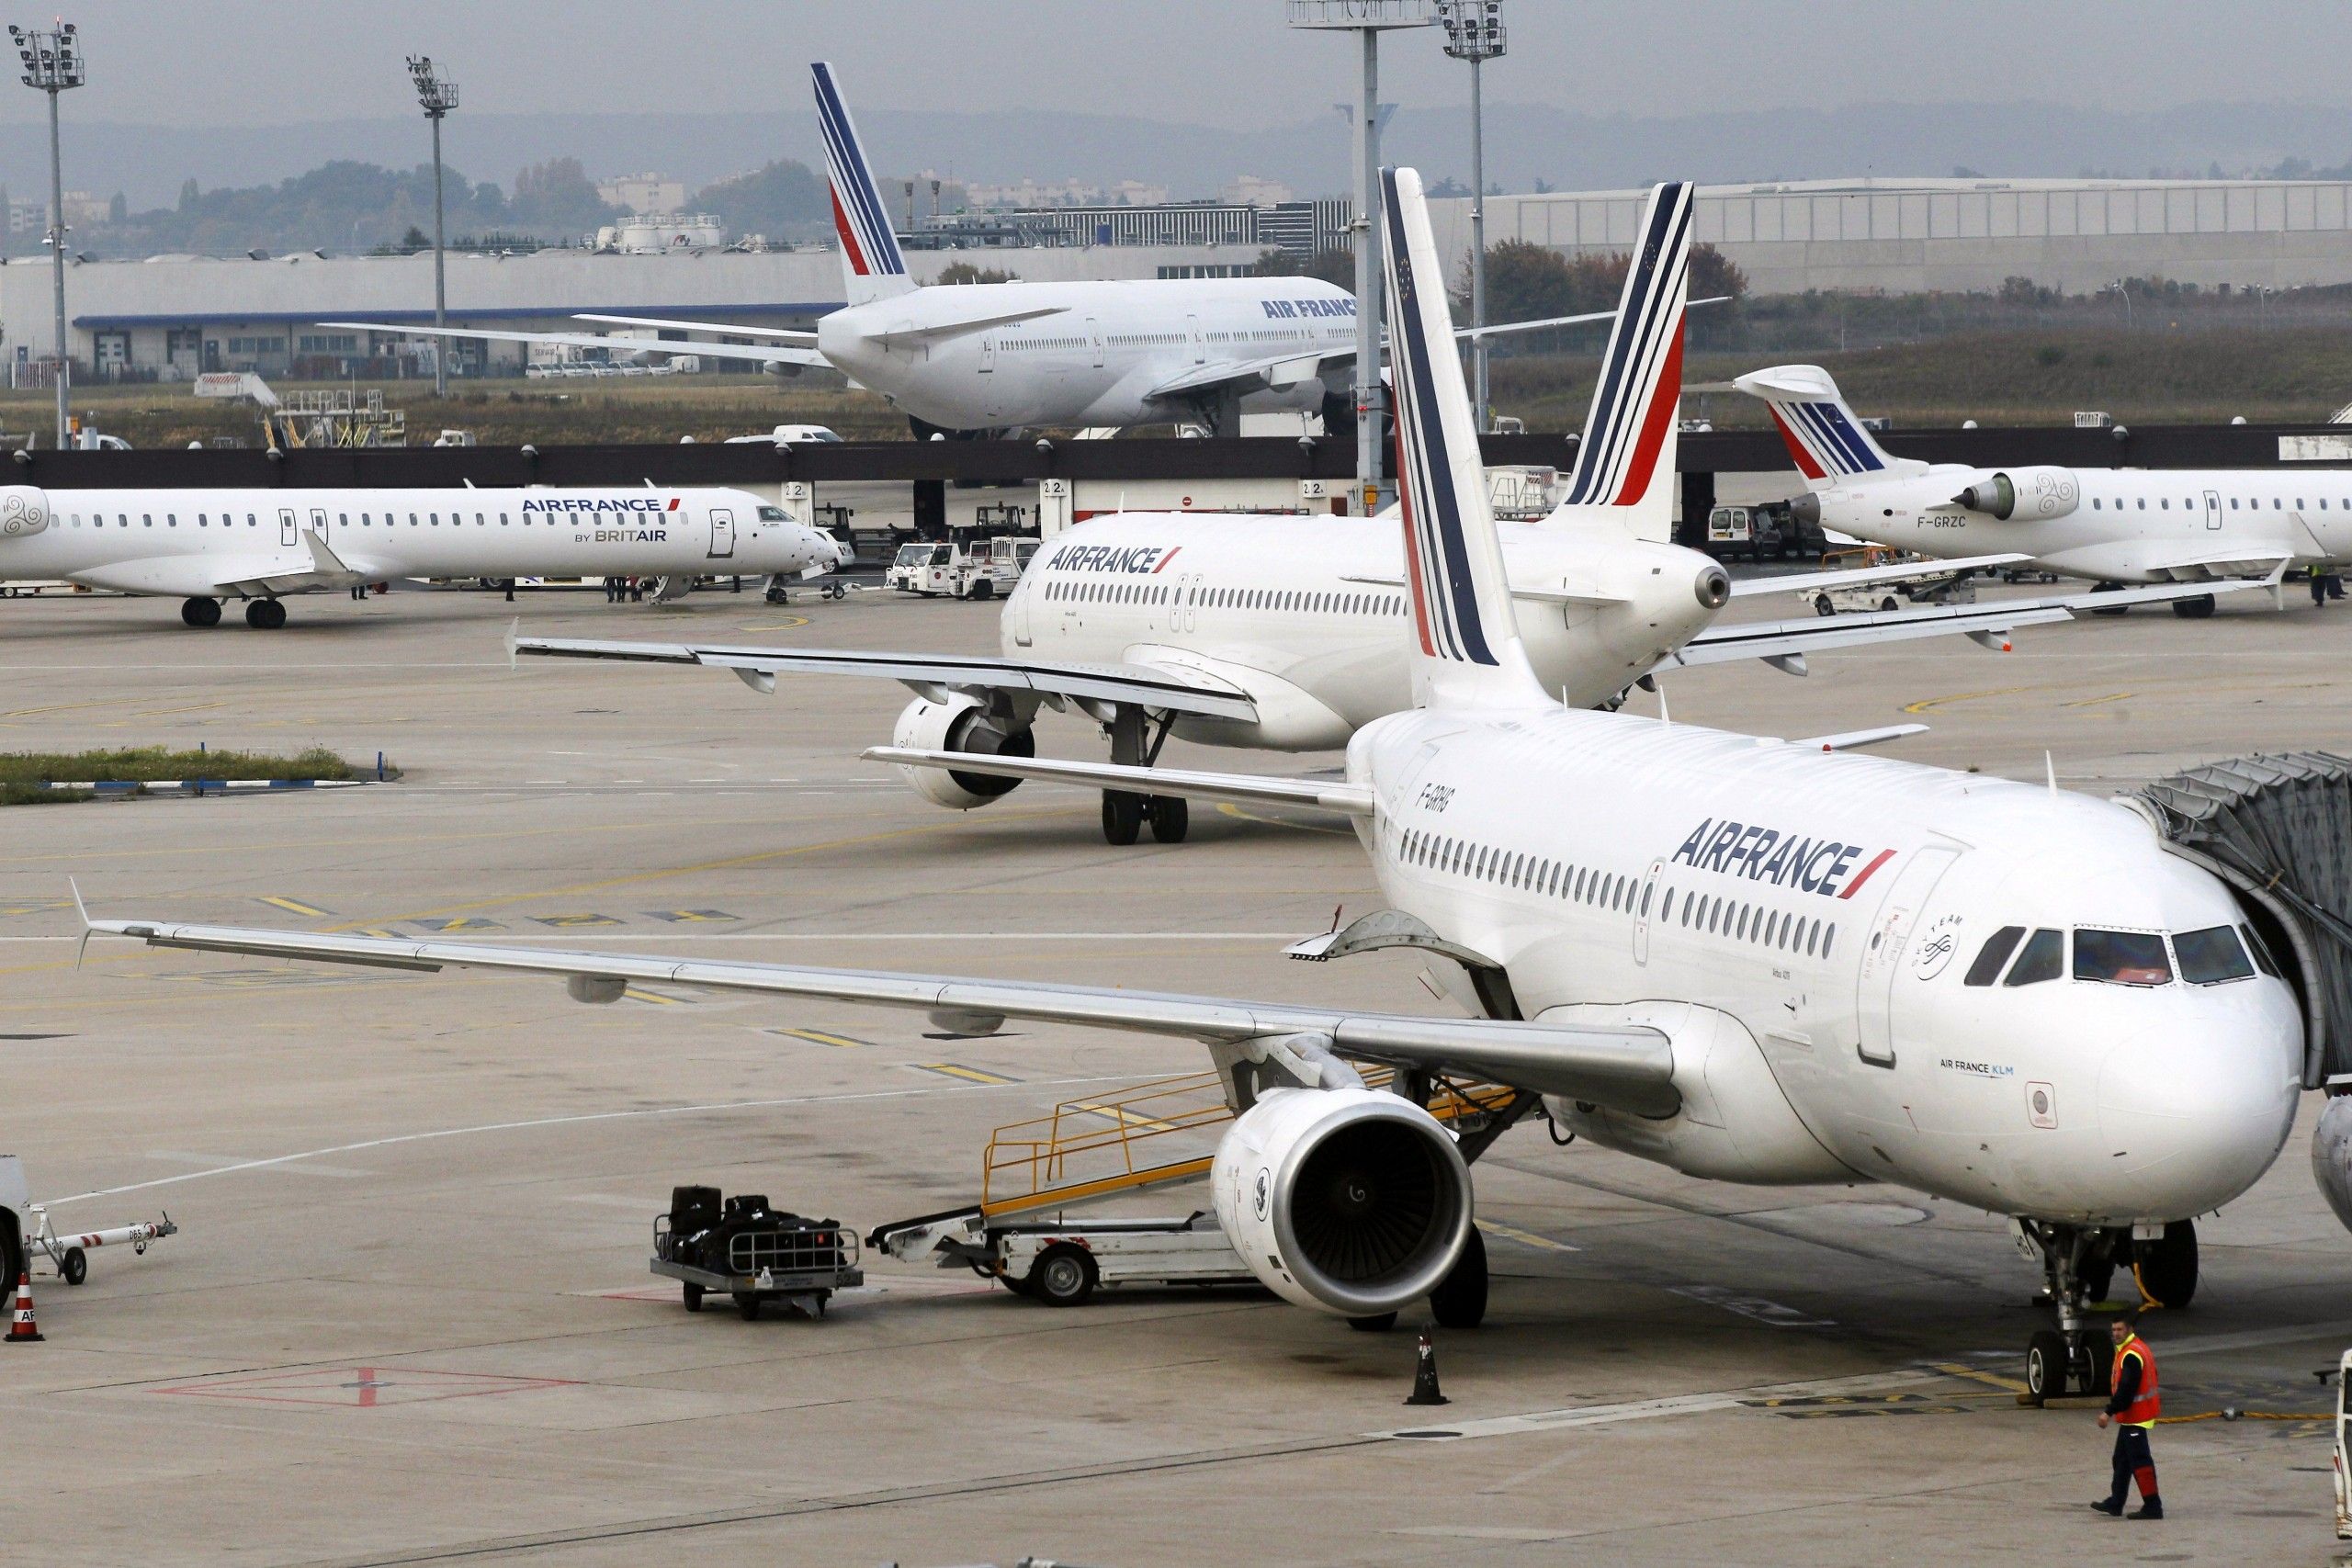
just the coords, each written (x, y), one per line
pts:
(408, 1318)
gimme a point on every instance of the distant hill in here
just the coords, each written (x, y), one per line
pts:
(1525, 144)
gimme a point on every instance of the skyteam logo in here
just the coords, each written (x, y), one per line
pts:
(1822, 866)
(1437, 556)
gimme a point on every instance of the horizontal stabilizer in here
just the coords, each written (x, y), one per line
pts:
(938, 332)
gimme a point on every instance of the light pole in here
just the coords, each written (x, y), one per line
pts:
(436, 96)
(2122, 291)
(1474, 31)
(1368, 18)
(53, 63)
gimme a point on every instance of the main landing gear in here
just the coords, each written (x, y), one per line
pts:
(2078, 1267)
(200, 612)
(1136, 740)
(265, 614)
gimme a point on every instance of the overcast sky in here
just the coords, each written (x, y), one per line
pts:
(1223, 62)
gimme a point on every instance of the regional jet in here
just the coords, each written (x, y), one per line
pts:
(203, 547)
(1000, 355)
(1283, 633)
(2112, 525)
(1747, 960)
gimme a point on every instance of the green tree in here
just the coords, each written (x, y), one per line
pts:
(1275, 262)
(965, 272)
(1336, 265)
(558, 199)
(781, 200)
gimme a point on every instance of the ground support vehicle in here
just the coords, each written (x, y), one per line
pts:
(1767, 531)
(27, 1236)
(1062, 1262)
(740, 1249)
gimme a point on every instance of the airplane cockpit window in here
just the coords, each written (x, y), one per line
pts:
(2211, 956)
(771, 515)
(1993, 954)
(2122, 958)
(2261, 951)
(2043, 958)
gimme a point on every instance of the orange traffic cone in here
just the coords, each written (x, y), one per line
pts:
(22, 1329)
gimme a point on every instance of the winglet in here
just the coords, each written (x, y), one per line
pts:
(323, 558)
(83, 912)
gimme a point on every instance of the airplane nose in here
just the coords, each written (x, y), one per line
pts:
(2190, 1128)
(1806, 510)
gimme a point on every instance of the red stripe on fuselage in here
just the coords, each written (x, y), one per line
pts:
(849, 238)
(1854, 886)
(1164, 560)
(1664, 398)
(1805, 465)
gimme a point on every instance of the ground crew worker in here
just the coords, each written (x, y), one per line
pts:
(2132, 1408)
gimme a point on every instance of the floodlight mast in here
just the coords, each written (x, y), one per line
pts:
(53, 62)
(1368, 19)
(436, 96)
(1474, 31)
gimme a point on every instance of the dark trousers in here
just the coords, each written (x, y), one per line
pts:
(2133, 1462)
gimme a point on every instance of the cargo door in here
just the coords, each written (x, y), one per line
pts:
(722, 532)
(1889, 935)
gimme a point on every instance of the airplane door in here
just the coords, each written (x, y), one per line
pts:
(1023, 593)
(287, 527)
(1193, 331)
(2213, 509)
(1883, 948)
(988, 353)
(1642, 913)
(1191, 601)
(1094, 340)
(722, 533)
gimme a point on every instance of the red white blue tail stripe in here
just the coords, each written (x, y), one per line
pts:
(1634, 404)
(1825, 439)
(869, 245)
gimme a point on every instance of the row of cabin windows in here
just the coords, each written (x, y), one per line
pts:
(343, 520)
(2191, 503)
(1229, 598)
(2209, 957)
(1613, 890)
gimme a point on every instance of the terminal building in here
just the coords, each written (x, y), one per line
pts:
(171, 318)
(1965, 235)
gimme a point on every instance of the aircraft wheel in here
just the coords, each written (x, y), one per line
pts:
(76, 1267)
(265, 614)
(1822, 606)
(1064, 1276)
(2109, 588)
(1460, 1298)
(1171, 817)
(200, 612)
(2167, 1269)
(2193, 609)
(1378, 1323)
(1122, 817)
(2045, 1367)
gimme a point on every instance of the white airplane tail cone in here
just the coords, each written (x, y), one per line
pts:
(1624, 473)
(1466, 647)
(872, 267)
(1826, 440)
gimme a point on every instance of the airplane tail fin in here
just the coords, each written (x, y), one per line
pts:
(1624, 472)
(872, 267)
(1467, 649)
(1827, 442)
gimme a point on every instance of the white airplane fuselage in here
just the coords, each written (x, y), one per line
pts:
(1307, 614)
(193, 543)
(2135, 526)
(1097, 359)
(1816, 919)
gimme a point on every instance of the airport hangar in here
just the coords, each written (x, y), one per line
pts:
(170, 317)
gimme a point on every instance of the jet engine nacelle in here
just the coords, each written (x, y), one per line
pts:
(1345, 1201)
(960, 724)
(2026, 493)
(2332, 1155)
(23, 510)
(1734, 1123)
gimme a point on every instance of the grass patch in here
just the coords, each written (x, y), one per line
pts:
(34, 794)
(23, 773)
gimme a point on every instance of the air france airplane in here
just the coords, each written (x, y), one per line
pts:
(1745, 960)
(1283, 633)
(2112, 525)
(205, 546)
(995, 355)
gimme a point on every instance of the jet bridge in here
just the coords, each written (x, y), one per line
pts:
(2279, 830)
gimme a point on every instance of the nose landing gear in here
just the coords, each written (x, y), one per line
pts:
(2079, 1265)
(1136, 740)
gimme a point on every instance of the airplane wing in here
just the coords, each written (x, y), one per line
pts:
(2207, 567)
(1242, 788)
(1627, 1068)
(938, 331)
(781, 334)
(1166, 688)
(779, 354)
(327, 570)
(1785, 644)
(1813, 581)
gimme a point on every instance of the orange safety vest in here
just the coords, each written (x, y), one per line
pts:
(2141, 1410)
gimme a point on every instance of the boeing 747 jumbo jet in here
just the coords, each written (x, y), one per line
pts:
(2112, 525)
(205, 546)
(1743, 959)
(1284, 632)
(997, 355)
